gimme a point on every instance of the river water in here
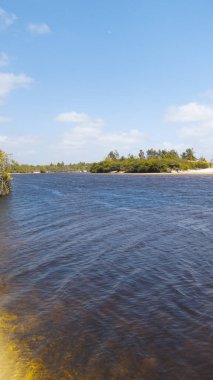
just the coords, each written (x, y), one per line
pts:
(106, 277)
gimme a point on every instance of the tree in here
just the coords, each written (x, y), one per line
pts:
(168, 154)
(173, 154)
(152, 153)
(5, 178)
(113, 155)
(188, 155)
(141, 154)
(60, 164)
(202, 158)
(4, 161)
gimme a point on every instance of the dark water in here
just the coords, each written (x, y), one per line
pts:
(107, 277)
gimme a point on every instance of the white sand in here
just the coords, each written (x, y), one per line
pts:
(198, 171)
(185, 172)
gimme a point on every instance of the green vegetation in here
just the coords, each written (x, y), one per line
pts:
(161, 161)
(60, 167)
(5, 178)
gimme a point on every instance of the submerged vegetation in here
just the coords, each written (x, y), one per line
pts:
(5, 178)
(161, 161)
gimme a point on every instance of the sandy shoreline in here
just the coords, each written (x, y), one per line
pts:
(198, 171)
(208, 171)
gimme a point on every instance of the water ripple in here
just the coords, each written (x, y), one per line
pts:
(105, 277)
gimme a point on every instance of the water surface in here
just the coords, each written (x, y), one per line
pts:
(106, 277)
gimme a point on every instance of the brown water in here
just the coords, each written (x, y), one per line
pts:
(106, 277)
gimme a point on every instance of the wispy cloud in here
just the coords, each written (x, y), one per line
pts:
(22, 147)
(6, 19)
(194, 121)
(18, 143)
(91, 132)
(10, 82)
(3, 139)
(189, 112)
(4, 59)
(39, 29)
(197, 131)
(4, 119)
(207, 94)
(72, 117)
(179, 147)
(23, 140)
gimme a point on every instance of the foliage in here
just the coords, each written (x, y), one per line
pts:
(5, 178)
(161, 161)
(155, 161)
(113, 155)
(141, 154)
(60, 167)
(188, 155)
(152, 153)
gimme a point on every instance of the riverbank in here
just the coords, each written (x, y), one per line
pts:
(181, 172)
(5, 184)
(208, 171)
(197, 171)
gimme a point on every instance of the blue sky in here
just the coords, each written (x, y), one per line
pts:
(79, 78)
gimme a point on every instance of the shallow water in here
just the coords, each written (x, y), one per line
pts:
(106, 277)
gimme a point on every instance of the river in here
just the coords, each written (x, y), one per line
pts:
(106, 277)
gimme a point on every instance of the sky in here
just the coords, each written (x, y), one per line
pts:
(79, 78)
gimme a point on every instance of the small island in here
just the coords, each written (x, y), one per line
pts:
(161, 161)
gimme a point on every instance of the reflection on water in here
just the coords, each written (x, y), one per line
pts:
(105, 277)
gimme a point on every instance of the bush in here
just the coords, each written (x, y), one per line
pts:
(150, 165)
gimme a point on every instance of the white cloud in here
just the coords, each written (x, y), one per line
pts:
(6, 19)
(4, 59)
(10, 81)
(3, 139)
(207, 94)
(168, 145)
(72, 117)
(197, 130)
(24, 140)
(17, 142)
(194, 125)
(91, 135)
(191, 112)
(4, 119)
(124, 139)
(39, 29)
(20, 146)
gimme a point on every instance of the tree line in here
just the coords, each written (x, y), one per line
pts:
(154, 161)
(59, 167)
(188, 154)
